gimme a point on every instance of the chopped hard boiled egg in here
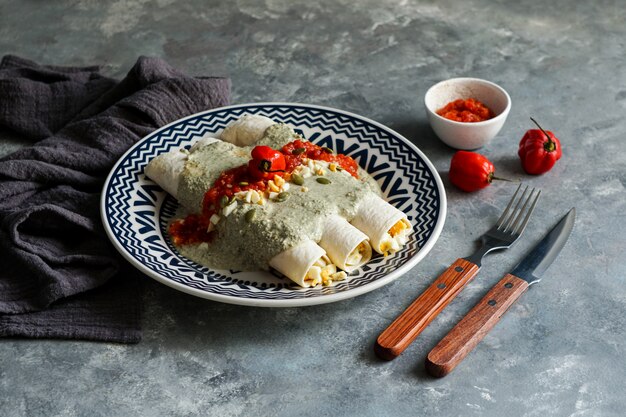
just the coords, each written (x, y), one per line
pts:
(339, 276)
(272, 186)
(229, 208)
(313, 276)
(357, 254)
(395, 238)
(323, 272)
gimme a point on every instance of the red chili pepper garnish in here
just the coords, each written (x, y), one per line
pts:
(471, 171)
(266, 162)
(539, 150)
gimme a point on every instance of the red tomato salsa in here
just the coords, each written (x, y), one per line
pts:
(467, 111)
(297, 150)
(194, 228)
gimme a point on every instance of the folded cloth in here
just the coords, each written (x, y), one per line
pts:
(60, 277)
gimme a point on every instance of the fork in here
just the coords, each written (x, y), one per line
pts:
(509, 227)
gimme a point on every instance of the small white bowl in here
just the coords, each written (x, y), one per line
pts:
(462, 135)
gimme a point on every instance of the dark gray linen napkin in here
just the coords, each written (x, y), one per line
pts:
(59, 275)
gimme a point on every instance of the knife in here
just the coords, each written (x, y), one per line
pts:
(460, 341)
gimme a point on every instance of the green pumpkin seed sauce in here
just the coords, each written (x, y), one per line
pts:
(248, 242)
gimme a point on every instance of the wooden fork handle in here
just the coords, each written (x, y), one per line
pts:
(460, 341)
(399, 335)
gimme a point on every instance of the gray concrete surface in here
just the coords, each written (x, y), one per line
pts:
(558, 352)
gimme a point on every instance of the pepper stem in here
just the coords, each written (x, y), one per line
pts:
(492, 177)
(503, 179)
(265, 166)
(550, 146)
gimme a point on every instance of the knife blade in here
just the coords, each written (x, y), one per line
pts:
(464, 337)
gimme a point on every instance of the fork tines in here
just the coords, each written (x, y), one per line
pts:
(516, 216)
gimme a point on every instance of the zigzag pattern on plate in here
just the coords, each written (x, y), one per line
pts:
(137, 214)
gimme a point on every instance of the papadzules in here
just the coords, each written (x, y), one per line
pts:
(314, 221)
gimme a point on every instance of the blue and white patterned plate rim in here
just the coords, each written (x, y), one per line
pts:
(322, 299)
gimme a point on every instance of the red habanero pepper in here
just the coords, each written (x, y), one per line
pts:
(266, 162)
(471, 171)
(539, 150)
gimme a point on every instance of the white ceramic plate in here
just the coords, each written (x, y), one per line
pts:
(135, 211)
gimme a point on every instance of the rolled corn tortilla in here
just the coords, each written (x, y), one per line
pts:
(386, 226)
(207, 140)
(166, 169)
(246, 130)
(346, 246)
(298, 263)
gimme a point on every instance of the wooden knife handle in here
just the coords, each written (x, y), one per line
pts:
(399, 335)
(460, 341)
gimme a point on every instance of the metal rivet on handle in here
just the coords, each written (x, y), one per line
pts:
(458, 269)
(441, 286)
(508, 285)
(492, 302)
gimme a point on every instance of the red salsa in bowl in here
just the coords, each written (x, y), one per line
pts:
(467, 111)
